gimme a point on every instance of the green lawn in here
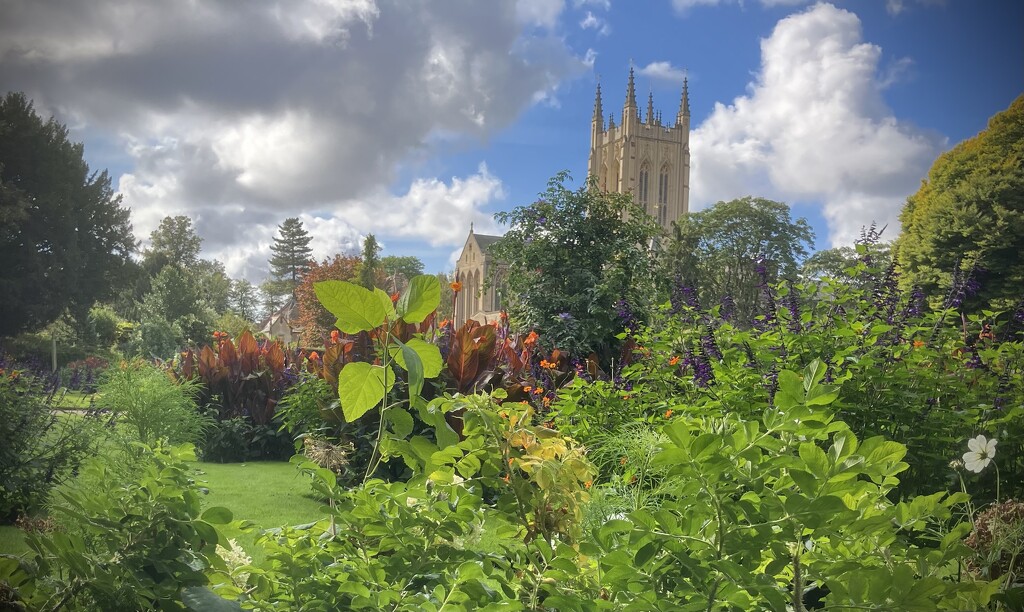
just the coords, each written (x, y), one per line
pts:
(12, 540)
(268, 493)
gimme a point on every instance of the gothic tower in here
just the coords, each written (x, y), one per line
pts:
(643, 157)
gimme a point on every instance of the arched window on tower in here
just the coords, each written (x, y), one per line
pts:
(642, 188)
(663, 195)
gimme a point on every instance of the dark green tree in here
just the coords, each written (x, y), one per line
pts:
(245, 299)
(724, 250)
(214, 284)
(399, 269)
(970, 210)
(64, 237)
(291, 255)
(570, 257)
(174, 242)
(176, 302)
(833, 263)
(370, 266)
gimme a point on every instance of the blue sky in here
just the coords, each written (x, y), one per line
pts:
(412, 119)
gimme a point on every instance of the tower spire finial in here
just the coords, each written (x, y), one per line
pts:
(684, 102)
(598, 110)
(630, 89)
(650, 107)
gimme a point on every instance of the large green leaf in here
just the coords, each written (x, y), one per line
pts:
(357, 308)
(410, 360)
(362, 386)
(420, 298)
(386, 303)
(202, 599)
(429, 354)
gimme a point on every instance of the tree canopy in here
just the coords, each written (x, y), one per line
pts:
(315, 320)
(370, 266)
(970, 210)
(174, 242)
(291, 254)
(64, 236)
(571, 256)
(726, 249)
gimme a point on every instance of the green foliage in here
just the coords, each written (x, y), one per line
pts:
(176, 297)
(173, 243)
(244, 299)
(137, 544)
(971, 210)
(291, 255)
(40, 448)
(149, 406)
(64, 237)
(717, 251)
(370, 265)
(103, 323)
(399, 269)
(232, 324)
(571, 255)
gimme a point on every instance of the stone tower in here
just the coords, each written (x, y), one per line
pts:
(644, 157)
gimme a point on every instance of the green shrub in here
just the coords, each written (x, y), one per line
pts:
(103, 322)
(40, 448)
(149, 406)
(137, 544)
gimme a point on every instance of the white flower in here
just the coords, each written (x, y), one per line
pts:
(981, 453)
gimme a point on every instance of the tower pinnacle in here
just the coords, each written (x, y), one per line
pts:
(650, 107)
(598, 111)
(630, 91)
(684, 102)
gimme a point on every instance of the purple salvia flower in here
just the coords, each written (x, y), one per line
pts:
(790, 303)
(703, 373)
(772, 384)
(708, 344)
(626, 315)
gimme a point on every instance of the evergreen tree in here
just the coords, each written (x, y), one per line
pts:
(371, 262)
(65, 239)
(245, 299)
(291, 255)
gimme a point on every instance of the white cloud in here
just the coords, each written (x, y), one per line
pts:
(593, 22)
(601, 4)
(541, 13)
(814, 128)
(253, 112)
(663, 71)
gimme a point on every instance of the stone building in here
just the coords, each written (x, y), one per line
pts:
(478, 299)
(643, 156)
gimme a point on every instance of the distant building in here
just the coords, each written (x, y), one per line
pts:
(478, 299)
(282, 323)
(644, 157)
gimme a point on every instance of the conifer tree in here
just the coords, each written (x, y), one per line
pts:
(371, 262)
(291, 255)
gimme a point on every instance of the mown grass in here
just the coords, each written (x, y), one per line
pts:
(267, 493)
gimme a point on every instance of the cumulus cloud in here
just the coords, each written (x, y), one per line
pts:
(222, 107)
(663, 71)
(592, 22)
(814, 128)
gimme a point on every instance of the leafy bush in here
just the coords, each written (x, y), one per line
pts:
(149, 406)
(40, 449)
(239, 439)
(139, 544)
(103, 322)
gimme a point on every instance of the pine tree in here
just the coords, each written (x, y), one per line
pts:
(371, 262)
(291, 255)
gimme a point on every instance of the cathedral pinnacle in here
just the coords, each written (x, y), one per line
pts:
(650, 107)
(684, 102)
(598, 112)
(630, 91)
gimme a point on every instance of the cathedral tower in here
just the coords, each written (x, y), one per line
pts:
(643, 157)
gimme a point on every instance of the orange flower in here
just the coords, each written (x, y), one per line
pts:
(503, 414)
(918, 343)
(531, 339)
(505, 477)
(456, 286)
(588, 484)
(668, 413)
(623, 460)
(674, 360)
(314, 356)
(547, 402)
(445, 323)
(527, 388)
(511, 460)
(335, 336)
(546, 364)
(394, 297)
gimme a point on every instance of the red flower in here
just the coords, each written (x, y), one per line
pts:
(314, 357)
(674, 360)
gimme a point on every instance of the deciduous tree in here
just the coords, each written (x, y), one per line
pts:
(316, 322)
(970, 210)
(571, 256)
(726, 249)
(64, 237)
